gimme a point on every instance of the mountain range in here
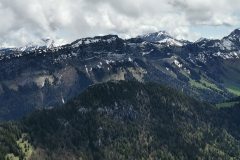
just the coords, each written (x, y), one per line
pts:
(47, 76)
(104, 97)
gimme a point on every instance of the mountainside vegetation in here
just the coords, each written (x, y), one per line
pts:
(125, 120)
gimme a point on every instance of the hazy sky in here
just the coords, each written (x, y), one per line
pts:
(25, 21)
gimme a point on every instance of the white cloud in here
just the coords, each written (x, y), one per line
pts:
(30, 20)
(208, 12)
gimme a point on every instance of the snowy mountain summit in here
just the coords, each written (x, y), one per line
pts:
(232, 41)
(43, 44)
(161, 37)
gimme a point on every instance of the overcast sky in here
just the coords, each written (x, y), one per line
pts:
(25, 21)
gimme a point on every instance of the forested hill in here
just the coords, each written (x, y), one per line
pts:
(126, 120)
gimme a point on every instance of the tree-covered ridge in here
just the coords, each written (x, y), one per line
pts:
(132, 120)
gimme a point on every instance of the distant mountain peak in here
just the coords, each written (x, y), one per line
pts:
(161, 37)
(234, 34)
(236, 31)
(202, 39)
(92, 40)
(110, 36)
(232, 41)
(44, 43)
(156, 36)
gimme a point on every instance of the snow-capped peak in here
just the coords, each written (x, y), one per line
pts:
(234, 35)
(161, 37)
(44, 43)
(232, 41)
(163, 34)
(28, 47)
(155, 37)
